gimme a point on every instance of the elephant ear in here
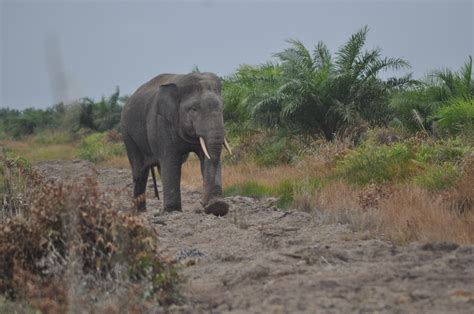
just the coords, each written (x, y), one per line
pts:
(168, 102)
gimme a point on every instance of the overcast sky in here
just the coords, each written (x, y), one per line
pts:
(55, 50)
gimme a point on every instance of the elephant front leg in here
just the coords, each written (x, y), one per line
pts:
(171, 180)
(212, 199)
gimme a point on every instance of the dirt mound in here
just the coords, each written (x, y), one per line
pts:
(261, 259)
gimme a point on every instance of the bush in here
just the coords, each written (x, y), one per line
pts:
(457, 117)
(451, 150)
(70, 235)
(98, 147)
(438, 177)
(376, 164)
(432, 164)
(275, 150)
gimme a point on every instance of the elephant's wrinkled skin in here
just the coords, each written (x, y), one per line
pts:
(161, 124)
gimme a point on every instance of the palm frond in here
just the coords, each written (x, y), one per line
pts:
(322, 56)
(383, 64)
(347, 54)
(364, 61)
(466, 74)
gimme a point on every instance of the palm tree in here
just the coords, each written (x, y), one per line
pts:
(247, 86)
(319, 95)
(416, 107)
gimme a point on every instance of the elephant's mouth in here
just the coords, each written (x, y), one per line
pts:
(206, 152)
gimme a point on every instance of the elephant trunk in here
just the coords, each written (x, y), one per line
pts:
(214, 147)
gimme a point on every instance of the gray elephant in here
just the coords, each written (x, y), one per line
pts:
(167, 118)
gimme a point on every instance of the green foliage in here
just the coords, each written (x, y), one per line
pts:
(439, 152)
(16, 124)
(438, 177)
(309, 92)
(241, 90)
(457, 117)
(432, 165)
(416, 108)
(276, 150)
(97, 148)
(376, 164)
(249, 188)
(98, 116)
(285, 190)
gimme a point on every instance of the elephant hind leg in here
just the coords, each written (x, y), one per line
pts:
(140, 180)
(139, 172)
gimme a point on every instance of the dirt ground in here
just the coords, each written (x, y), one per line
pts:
(260, 259)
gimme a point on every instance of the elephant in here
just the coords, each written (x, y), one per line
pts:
(167, 118)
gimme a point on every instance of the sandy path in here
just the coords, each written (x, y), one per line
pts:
(259, 259)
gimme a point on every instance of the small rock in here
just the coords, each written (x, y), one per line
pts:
(187, 253)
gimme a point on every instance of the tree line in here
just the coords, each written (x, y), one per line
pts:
(83, 114)
(302, 91)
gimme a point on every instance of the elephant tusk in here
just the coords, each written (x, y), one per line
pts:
(227, 146)
(203, 146)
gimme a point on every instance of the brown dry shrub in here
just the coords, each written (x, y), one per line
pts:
(461, 196)
(113, 136)
(338, 202)
(371, 195)
(70, 236)
(411, 213)
(404, 213)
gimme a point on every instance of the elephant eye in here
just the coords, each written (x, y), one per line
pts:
(193, 108)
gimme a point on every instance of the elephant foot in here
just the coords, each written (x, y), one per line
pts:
(217, 207)
(140, 203)
(169, 209)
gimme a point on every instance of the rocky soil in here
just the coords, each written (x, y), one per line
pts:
(260, 259)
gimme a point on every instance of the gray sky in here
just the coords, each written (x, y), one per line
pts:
(94, 46)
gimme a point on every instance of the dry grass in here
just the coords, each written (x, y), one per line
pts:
(38, 151)
(235, 174)
(415, 214)
(119, 162)
(338, 202)
(404, 213)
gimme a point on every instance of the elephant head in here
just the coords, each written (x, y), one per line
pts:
(197, 113)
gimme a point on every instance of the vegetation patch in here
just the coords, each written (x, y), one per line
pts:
(457, 117)
(376, 164)
(65, 245)
(99, 147)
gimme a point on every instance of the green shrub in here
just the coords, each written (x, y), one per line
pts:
(370, 163)
(250, 188)
(432, 164)
(457, 117)
(285, 192)
(97, 148)
(450, 150)
(274, 151)
(438, 177)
